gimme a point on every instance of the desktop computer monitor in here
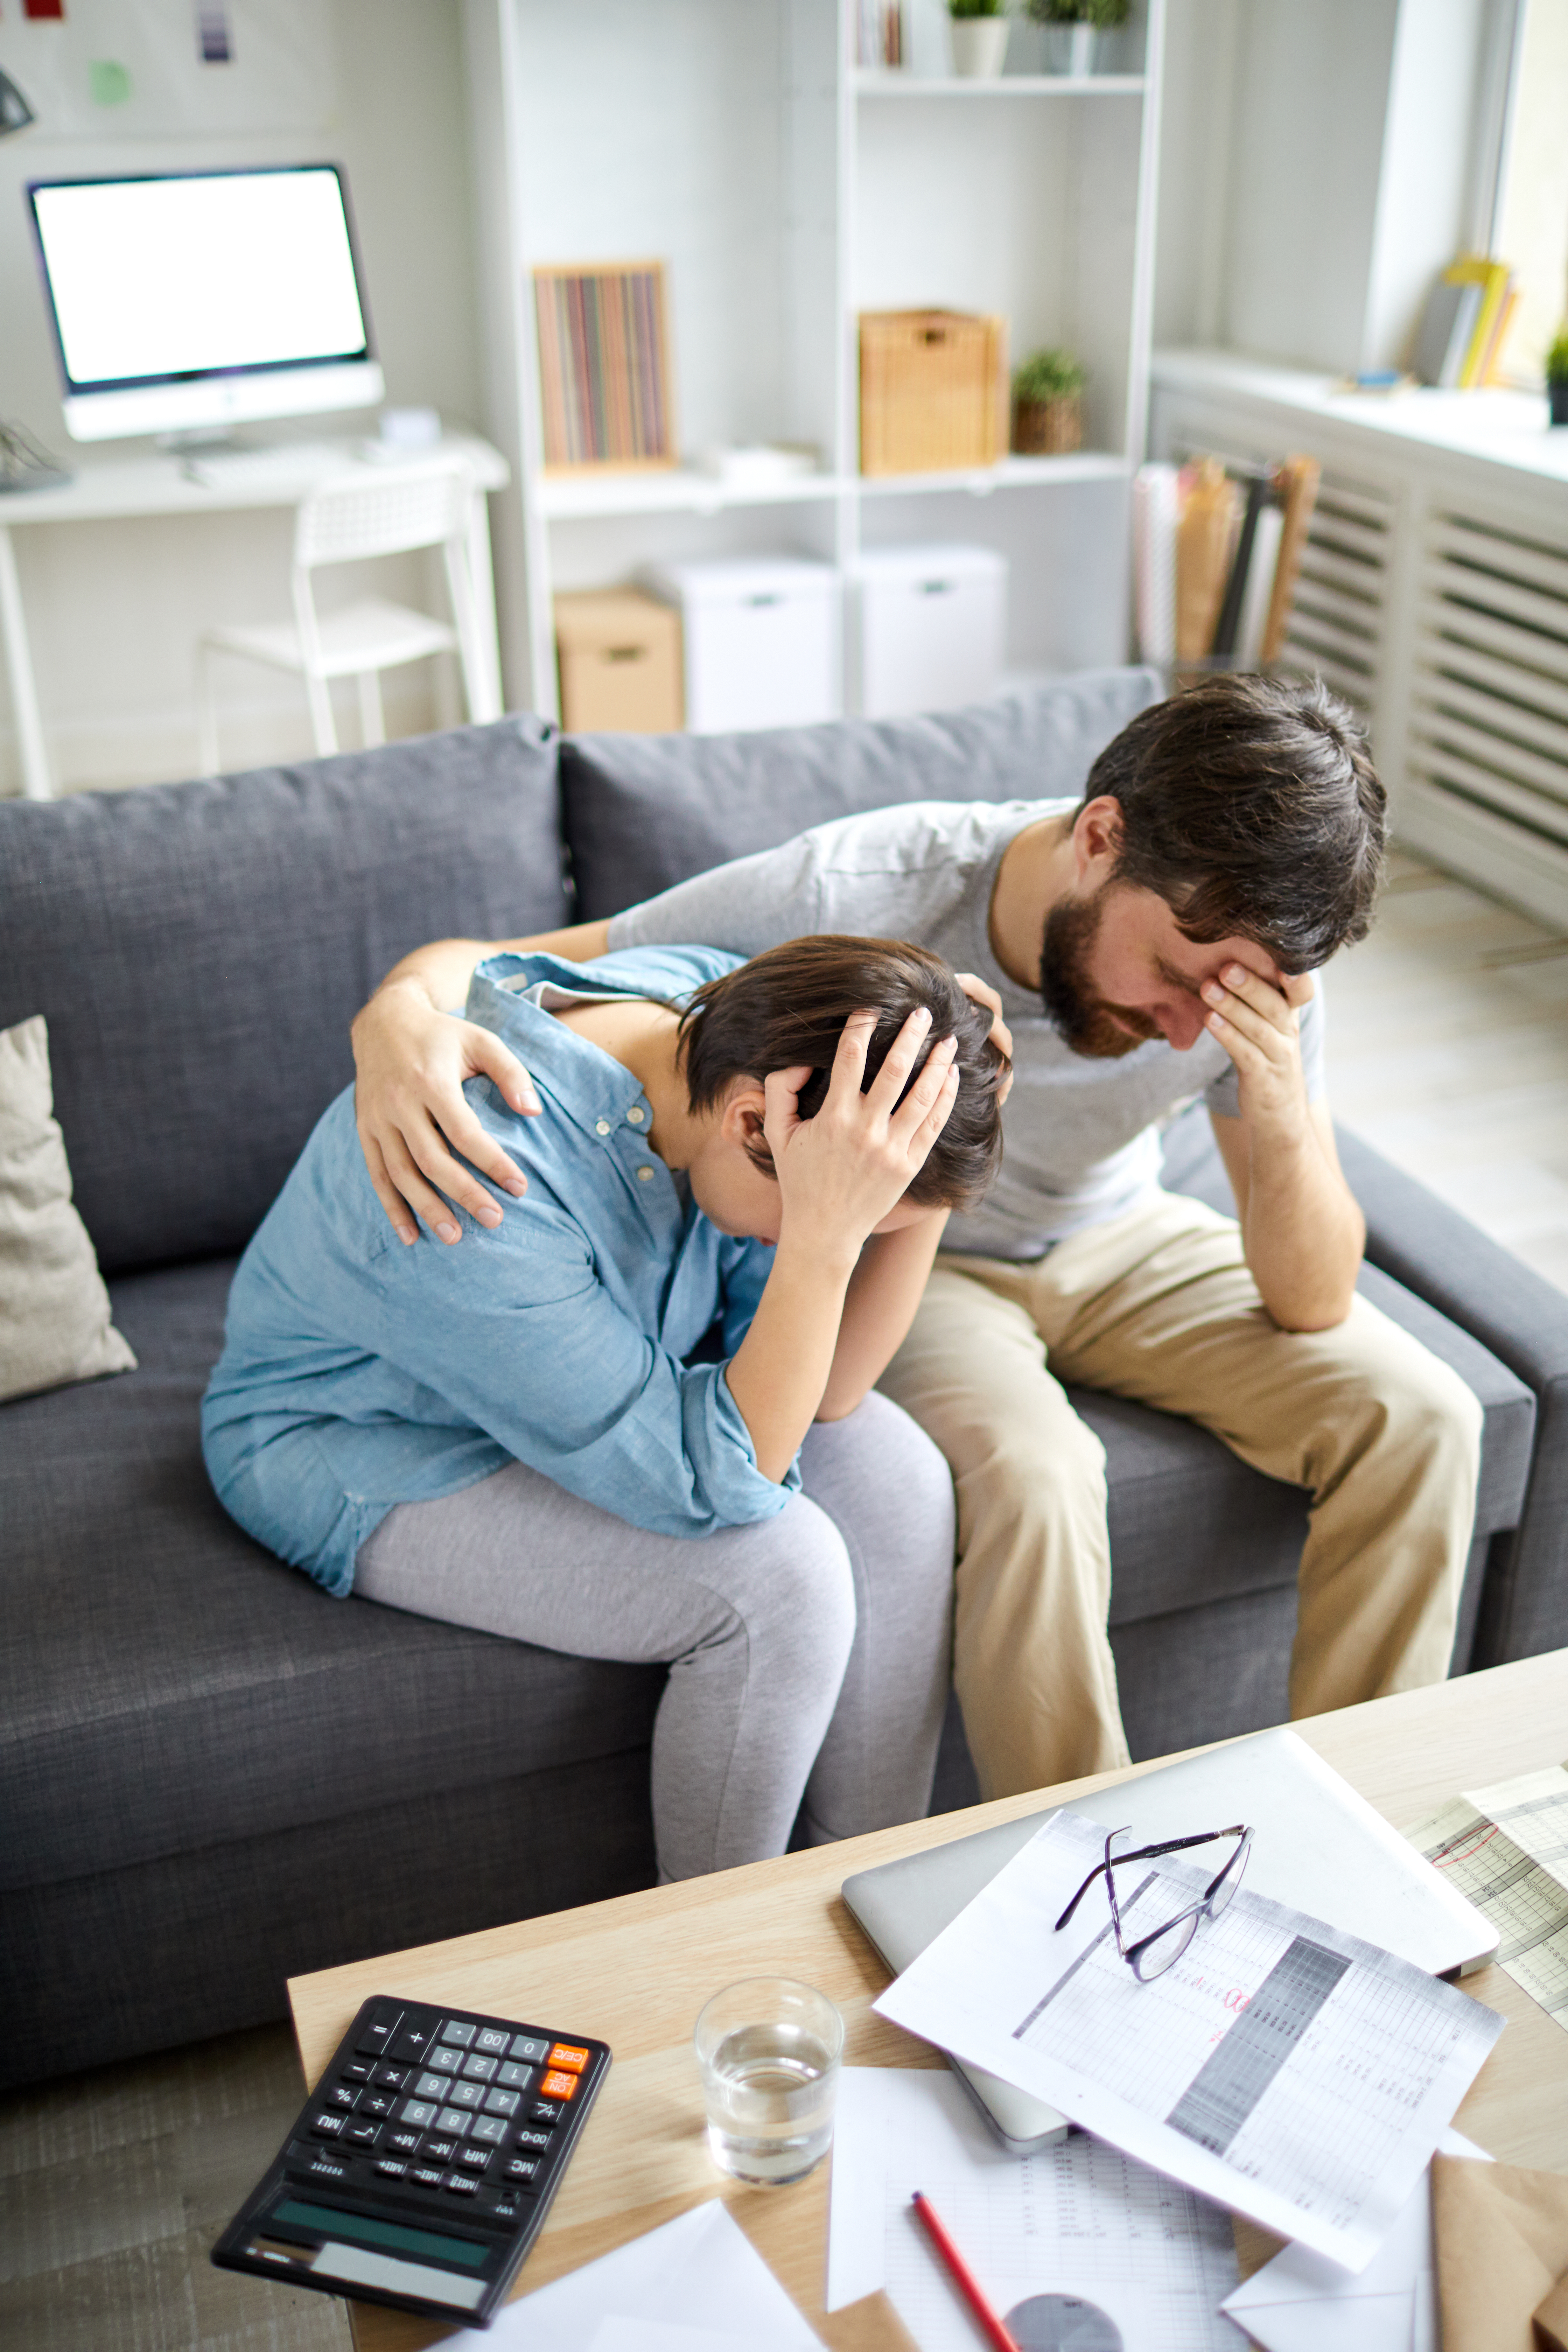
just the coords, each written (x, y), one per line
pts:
(185, 300)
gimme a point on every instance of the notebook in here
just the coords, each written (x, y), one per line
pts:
(1316, 1844)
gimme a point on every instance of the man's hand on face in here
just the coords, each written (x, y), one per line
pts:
(1259, 1022)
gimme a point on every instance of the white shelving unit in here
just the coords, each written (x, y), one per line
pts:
(786, 190)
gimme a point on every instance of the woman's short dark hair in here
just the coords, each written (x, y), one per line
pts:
(789, 1005)
(1252, 806)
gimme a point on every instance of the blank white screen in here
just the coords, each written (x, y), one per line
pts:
(159, 277)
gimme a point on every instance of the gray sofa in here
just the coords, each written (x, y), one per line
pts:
(211, 1776)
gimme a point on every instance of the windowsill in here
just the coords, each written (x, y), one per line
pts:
(1498, 427)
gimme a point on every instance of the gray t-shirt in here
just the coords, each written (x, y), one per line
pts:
(1082, 1136)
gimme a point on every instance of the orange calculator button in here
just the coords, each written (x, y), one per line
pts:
(558, 2086)
(564, 2055)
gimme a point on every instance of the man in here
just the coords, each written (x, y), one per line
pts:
(1152, 942)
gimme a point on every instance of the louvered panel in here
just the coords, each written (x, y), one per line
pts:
(1490, 749)
(1489, 723)
(1336, 630)
(1335, 528)
(1469, 589)
(1325, 626)
(1310, 661)
(1343, 575)
(1494, 711)
(1524, 653)
(1504, 554)
(1487, 655)
(1546, 818)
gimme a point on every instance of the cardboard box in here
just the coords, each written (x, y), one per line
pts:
(619, 655)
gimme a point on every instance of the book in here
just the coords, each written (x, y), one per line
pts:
(1491, 365)
(1297, 480)
(1260, 581)
(1443, 338)
(1492, 277)
(1227, 628)
(1156, 511)
(1205, 544)
(602, 366)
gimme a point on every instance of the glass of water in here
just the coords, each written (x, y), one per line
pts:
(769, 2050)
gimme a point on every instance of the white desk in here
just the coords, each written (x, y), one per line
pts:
(161, 485)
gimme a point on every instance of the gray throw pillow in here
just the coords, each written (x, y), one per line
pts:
(53, 1309)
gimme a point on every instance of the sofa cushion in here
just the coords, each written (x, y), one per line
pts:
(55, 1327)
(199, 951)
(644, 811)
(165, 1684)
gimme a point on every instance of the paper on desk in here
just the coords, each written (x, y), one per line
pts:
(1078, 2219)
(1523, 1902)
(1505, 1849)
(1299, 2302)
(1534, 1812)
(700, 2274)
(1282, 2068)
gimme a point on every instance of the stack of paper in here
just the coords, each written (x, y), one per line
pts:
(1288, 2071)
(1299, 2302)
(1505, 1849)
(696, 2285)
(1078, 2223)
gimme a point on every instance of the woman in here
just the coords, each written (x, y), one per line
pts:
(464, 1433)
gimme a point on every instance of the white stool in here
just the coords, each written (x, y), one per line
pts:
(346, 518)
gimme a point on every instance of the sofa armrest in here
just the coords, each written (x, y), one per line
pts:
(1445, 1259)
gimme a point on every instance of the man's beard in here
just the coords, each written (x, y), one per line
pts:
(1087, 1023)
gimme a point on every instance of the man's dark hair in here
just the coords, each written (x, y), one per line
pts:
(1252, 806)
(789, 1006)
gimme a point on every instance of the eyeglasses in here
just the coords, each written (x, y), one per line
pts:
(1152, 1954)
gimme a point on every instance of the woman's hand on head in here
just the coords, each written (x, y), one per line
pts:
(980, 991)
(840, 1174)
(411, 1062)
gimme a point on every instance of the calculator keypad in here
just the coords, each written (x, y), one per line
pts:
(464, 2121)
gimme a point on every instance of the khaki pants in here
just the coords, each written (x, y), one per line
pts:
(1158, 1306)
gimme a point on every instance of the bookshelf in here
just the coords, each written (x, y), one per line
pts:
(786, 189)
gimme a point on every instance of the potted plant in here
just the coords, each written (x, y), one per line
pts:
(979, 37)
(1557, 375)
(1047, 406)
(1073, 30)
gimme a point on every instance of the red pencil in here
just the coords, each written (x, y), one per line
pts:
(964, 2278)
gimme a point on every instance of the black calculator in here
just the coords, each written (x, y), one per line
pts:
(419, 2171)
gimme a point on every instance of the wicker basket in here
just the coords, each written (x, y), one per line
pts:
(1048, 428)
(933, 391)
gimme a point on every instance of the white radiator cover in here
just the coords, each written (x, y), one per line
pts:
(1434, 596)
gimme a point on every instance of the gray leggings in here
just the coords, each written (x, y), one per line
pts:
(808, 1654)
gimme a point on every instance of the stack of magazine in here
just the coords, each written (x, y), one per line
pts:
(603, 374)
(1469, 312)
(1217, 551)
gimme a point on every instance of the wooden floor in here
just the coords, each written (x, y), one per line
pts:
(1449, 1051)
(113, 2186)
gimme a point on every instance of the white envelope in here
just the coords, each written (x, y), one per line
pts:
(1300, 2303)
(698, 2279)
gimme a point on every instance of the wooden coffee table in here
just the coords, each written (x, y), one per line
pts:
(636, 1972)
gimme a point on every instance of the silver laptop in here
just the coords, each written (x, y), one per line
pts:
(1316, 1845)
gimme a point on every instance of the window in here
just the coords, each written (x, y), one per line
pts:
(1531, 232)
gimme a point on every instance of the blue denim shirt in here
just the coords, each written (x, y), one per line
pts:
(359, 1373)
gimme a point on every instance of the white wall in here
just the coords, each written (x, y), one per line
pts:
(1317, 172)
(114, 609)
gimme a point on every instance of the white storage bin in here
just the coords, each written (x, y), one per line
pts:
(931, 627)
(761, 637)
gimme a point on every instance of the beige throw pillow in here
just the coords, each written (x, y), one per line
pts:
(53, 1309)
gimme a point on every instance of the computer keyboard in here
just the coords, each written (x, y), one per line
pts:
(238, 469)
